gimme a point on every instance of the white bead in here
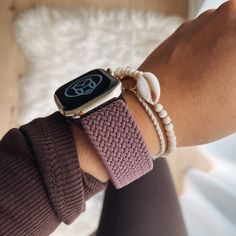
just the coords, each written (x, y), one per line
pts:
(163, 114)
(133, 73)
(128, 72)
(122, 71)
(169, 127)
(172, 146)
(158, 107)
(155, 86)
(166, 120)
(172, 138)
(170, 133)
(117, 72)
(140, 73)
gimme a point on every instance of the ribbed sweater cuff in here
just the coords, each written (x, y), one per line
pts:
(68, 187)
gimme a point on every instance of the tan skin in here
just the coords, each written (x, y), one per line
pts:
(196, 67)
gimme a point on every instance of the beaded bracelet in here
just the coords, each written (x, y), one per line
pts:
(169, 127)
(148, 90)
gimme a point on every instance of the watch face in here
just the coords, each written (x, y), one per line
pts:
(84, 89)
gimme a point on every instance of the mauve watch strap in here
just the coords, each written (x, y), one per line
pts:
(119, 143)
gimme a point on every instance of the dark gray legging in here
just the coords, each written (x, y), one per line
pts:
(147, 207)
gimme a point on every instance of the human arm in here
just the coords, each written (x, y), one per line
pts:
(41, 182)
(195, 67)
(175, 62)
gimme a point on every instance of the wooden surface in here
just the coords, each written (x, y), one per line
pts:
(11, 69)
(178, 7)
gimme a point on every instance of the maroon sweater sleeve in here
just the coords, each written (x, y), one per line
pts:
(41, 183)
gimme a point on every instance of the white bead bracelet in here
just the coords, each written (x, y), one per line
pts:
(169, 127)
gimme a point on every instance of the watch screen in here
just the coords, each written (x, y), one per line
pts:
(83, 89)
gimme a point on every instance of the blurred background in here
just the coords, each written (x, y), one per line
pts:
(44, 43)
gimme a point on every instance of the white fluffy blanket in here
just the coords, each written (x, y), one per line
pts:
(61, 45)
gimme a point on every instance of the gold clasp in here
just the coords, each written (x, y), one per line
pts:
(128, 83)
(132, 89)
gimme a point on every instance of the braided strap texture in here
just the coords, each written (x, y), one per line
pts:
(119, 143)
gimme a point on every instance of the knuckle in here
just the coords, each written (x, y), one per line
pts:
(206, 13)
(228, 7)
(183, 26)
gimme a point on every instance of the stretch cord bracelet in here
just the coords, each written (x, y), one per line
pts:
(148, 88)
(156, 125)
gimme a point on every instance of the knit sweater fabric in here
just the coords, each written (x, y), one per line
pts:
(41, 182)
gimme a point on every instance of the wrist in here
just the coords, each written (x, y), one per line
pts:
(88, 157)
(144, 123)
(172, 95)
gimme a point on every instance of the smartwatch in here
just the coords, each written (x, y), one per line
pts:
(94, 101)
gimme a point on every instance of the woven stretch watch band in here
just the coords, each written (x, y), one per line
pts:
(119, 143)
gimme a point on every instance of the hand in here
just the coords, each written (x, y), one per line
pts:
(197, 73)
